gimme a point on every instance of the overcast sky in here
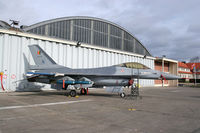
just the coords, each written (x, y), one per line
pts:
(165, 27)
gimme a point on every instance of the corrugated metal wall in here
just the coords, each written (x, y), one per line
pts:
(15, 56)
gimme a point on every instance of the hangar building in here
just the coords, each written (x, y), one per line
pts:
(76, 42)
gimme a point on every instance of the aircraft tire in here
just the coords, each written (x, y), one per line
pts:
(122, 95)
(72, 93)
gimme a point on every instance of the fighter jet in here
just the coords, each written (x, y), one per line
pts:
(48, 71)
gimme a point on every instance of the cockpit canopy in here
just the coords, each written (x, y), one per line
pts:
(134, 65)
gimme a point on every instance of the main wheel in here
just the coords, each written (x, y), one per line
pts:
(72, 93)
(122, 95)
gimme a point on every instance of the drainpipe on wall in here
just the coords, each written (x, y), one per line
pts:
(162, 70)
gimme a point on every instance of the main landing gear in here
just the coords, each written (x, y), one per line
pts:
(72, 93)
(83, 91)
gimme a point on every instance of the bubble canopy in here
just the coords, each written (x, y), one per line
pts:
(134, 65)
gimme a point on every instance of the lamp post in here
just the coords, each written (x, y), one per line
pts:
(195, 75)
(138, 82)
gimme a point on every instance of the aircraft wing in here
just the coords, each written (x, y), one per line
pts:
(59, 78)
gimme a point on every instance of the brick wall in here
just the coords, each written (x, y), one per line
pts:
(158, 66)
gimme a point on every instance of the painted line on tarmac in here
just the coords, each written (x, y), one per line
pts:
(44, 104)
(131, 109)
(175, 91)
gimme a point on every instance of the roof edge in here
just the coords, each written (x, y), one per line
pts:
(67, 42)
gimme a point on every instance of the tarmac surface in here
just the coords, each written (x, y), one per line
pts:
(158, 110)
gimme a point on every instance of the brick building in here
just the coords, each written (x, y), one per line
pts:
(168, 66)
(184, 71)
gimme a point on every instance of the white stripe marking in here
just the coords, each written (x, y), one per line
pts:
(38, 105)
(175, 91)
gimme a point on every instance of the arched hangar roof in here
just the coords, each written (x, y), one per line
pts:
(90, 30)
(4, 25)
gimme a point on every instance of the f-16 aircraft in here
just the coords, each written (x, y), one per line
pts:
(48, 71)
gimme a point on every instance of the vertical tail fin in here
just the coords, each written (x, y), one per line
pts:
(40, 57)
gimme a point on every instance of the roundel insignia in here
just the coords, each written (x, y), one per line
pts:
(13, 76)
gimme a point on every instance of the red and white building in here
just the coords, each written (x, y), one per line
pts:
(186, 70)
(197, 68)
